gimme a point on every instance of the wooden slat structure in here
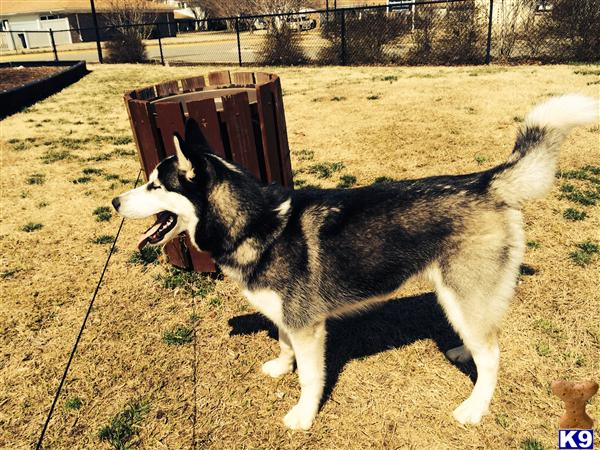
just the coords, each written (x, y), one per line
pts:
(240, 114)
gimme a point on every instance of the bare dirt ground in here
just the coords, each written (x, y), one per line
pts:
(11, 77)
(390, 384)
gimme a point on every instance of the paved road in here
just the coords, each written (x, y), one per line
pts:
(199, 52)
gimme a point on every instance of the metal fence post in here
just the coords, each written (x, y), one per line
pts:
(343, 37)
(489, 35)
(162, 56)
(98, 45)
(239, 47)
(53, 45)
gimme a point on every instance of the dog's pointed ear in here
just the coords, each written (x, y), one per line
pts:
(194, 137)
(184, 157)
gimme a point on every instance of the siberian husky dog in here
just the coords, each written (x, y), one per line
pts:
(301, 256)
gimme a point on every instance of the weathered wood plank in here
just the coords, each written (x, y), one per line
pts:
(193, 84)
(284, 150)
(270, 149)
(205, 113)
(236, 112)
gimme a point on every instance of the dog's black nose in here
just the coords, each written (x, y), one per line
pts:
(116, 203)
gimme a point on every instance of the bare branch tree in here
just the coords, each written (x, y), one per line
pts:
(122, 13)
(127, 37)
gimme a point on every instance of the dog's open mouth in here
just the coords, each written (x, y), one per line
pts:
(165, 222)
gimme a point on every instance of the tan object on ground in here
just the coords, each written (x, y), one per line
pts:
(575, 395)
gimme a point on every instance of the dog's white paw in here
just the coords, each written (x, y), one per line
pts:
(299, 418)
(469, 412)
(277, 367)
(459, 354)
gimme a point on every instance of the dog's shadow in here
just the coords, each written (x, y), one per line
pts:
(393, 324)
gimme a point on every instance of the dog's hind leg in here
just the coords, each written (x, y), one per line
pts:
(476, 320)
(284, 363)
(309, 347)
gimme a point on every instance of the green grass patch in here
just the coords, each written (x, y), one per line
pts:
(102, 213)
(123, 152)
(543, 349)
(325, 170)
(383, 180)
(9, 273)
(74, 403)
(19, 145)
(103, 239)
(82, 180)
(480, 159)
(124, 425)
(101, 157)
(567, 187)
(31, 227)
(36, 178)
(92, 171)
(42, 204)
(574, 214)
(587, 72)
(548, 327)
(533, 244)
(180, 335)
(373, 97)
(194, 283)
(148, 255)
(389, 78)
(52, 156)
(584, 253)
(503, 420)
(122, 140)
(215, 302)
(586, 198)
(305, 155)
(337, 99)
(346, 181)
(531, 444)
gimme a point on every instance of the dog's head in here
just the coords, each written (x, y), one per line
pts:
(175, 190)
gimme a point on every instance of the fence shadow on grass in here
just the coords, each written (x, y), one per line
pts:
(393, 324)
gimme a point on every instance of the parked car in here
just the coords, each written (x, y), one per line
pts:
(301, 22)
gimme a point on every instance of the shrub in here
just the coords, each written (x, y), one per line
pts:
(366, 35)
(126, 47)
(463, 38)
(424, 34)
(281, 46)
(575, 26)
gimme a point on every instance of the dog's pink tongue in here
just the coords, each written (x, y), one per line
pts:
(144, 238)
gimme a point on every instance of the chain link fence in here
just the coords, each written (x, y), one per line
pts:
(438, 32)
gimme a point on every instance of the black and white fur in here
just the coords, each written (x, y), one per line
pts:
(301, 256)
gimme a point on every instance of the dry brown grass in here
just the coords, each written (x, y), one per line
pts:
(393, 386)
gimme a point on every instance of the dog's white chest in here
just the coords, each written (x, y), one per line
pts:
(267, 302)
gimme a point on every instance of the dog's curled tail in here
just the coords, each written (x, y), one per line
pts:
(529, 172)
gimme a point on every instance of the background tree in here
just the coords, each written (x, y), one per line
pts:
(126, 44)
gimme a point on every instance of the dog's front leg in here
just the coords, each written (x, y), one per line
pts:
(284, 363)
(309, 347)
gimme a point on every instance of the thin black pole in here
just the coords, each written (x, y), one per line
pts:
(239, 46)
(489, 35)
(343, 37)
(162, 57)
(53, 45)
(85, 318)
(98, 46)
(327, 10)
